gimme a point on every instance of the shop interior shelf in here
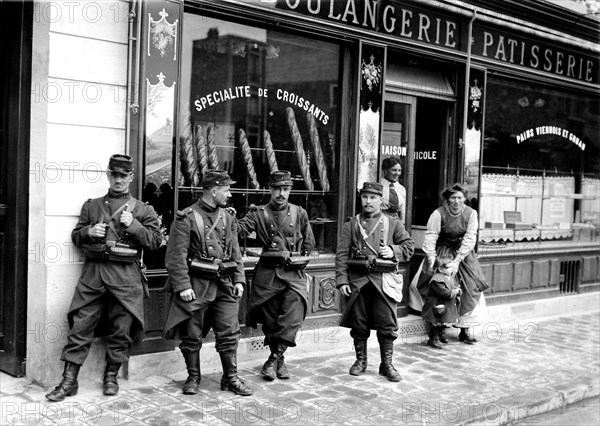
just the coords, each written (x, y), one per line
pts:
(506, 194)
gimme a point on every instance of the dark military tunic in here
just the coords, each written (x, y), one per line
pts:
(369, 307)
(110, 289)
(273, 285)
(187, 320)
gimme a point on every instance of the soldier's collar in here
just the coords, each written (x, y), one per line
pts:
(277, 207)
(206, 207)
(112, 194)
(371, 215)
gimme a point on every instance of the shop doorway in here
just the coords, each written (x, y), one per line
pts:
(416, 130)
(15, 88)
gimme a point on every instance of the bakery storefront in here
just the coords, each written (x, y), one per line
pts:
(327, 90)
(539, 194)
(280, 87)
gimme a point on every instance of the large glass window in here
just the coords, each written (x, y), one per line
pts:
(541, 164)
(254, 101)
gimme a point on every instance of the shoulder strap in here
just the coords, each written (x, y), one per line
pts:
(199, 220)
(355, 224)
(364, 234)
(386, 229)
(269, 216)
(363, 231)
(128, 207)
(294, 211)
(200, 224)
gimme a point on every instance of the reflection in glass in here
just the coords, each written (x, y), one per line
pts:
(159, 131)
(254, 101)
(541, 151)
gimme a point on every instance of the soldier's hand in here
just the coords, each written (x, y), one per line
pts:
(345, 290)
(231, 210)
(386, 252)
(126, 218)
(187, 295)
(98, 230)
(238, 290)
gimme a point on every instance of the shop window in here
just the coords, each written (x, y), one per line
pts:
(541, 168)
(253, 101)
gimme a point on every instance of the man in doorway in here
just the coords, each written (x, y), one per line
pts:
(206, 277)
(279, 295)
(368, 237)
(108, 300)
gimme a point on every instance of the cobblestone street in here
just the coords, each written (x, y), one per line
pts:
(514, 370)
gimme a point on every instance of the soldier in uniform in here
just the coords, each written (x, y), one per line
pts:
(279, 294)
(368, 236)
(206, 277)
(109, 296)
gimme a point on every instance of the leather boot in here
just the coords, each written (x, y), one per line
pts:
(443, 338)
(434, 338)
(192, 363)
(68, 385)
(360, 365)
(230, 380)
(270, 366)
(386, 368)
(110, 386)
(282, 371)
(464, 336)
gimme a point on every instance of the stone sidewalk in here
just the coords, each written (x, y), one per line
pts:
(515, 370)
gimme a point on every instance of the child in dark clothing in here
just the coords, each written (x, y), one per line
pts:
(442, 305)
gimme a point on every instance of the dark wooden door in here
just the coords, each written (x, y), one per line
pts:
(15, 92)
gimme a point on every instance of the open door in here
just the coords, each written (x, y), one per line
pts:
(416, 130)
(15, 88)
(398, 140)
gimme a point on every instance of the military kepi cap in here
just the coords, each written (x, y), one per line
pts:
(120, 163)
(372, 188)
(280, 178)
(212, 178)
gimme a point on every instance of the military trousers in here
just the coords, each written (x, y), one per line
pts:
(85, 319)
(370, 311)
(282, 316)
(222, 315)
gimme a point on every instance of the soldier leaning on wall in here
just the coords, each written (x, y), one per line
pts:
(108, 301)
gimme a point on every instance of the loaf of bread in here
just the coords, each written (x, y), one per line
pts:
(299, 147)
(270, 152)
(200, 149)
(319, 158)
(213, 161)
(187, 158)
(247, 156)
